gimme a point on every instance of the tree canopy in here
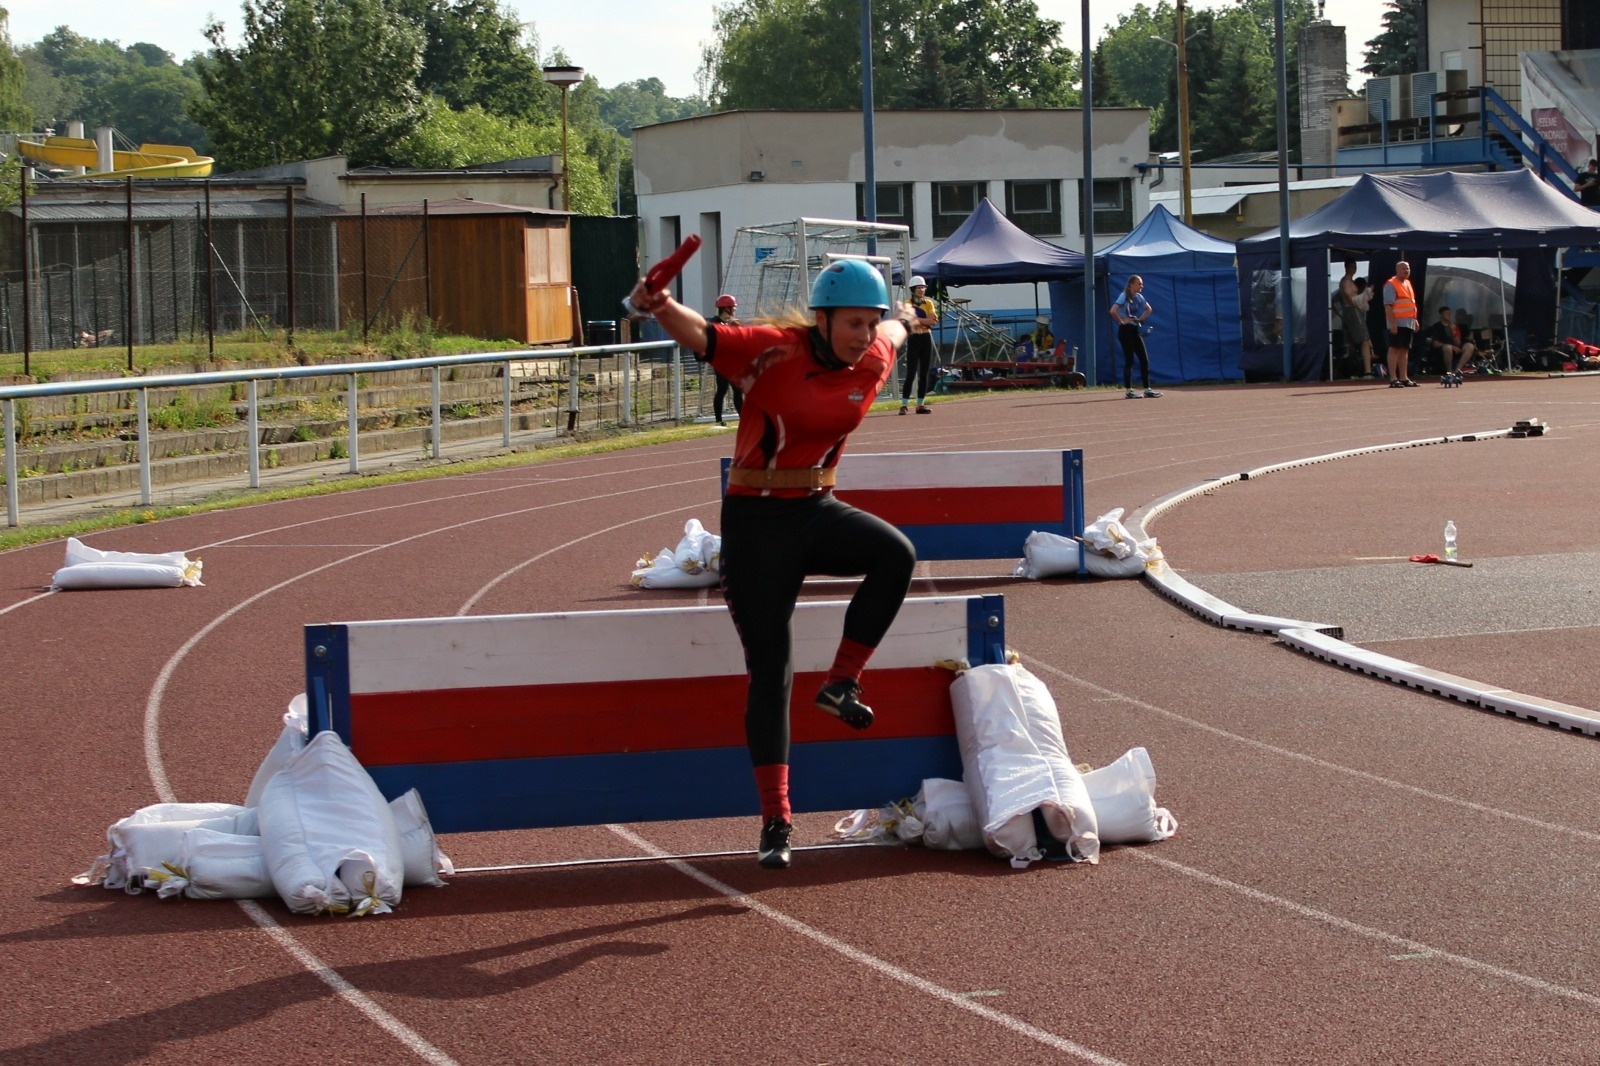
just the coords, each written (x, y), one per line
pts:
(14, 112)
(311, 78)
(1398, 49)
(958, 53)
(1232, 73)
(139, 89)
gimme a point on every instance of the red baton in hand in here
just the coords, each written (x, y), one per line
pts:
(661, 275)
(663, 272)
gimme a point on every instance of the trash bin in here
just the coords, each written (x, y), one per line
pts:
(602, 332)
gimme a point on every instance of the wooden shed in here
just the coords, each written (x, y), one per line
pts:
(481, 269)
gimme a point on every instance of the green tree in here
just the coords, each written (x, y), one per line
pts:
(643, 102)
(14, 111)
(311, 78)
(446, 138)
(959, 53)
(139, 89)
(478, 53)
(1398, 49)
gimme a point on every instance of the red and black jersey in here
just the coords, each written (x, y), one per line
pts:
(800, 403)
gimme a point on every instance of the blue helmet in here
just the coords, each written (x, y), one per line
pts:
(850, 283)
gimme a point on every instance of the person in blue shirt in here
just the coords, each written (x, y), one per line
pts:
(1130, 311)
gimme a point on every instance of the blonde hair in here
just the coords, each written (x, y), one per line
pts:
(1127, 290)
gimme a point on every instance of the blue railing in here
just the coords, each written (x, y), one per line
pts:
(1534, 151)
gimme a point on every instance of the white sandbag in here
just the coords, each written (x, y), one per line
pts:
(695, 563)
(1047, 555)
(949, 821)
(892, 824)
(330, 837)
(213, 865)
(1108, 536)
(419, 851)
(1106, 566)
(153, 835)
(1015, 761)
(91, 568)
(1124, 798)
(290, 740)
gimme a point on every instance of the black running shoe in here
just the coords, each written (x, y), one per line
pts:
(773, 852)
(839, 698)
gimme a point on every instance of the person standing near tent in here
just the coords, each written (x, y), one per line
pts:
(1588, 185)
(808, 381)
(1400, 315)
(1130, 311)
(727, 314)
(1353, 303)
(919, 348)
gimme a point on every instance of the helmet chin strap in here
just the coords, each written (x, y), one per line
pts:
(831, 357)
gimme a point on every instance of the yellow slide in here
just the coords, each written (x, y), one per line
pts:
(149, 161)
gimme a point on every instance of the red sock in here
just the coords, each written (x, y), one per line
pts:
(850, 661)
(772, 781)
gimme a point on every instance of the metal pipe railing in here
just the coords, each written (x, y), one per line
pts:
(10, 394)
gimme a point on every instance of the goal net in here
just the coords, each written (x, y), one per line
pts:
(771, 267)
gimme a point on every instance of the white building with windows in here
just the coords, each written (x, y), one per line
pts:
(712, 174)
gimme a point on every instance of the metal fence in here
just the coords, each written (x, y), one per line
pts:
(111, 264)
(626, 385)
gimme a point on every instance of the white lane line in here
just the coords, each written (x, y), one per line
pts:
(23, 603)
(854, 954)
(1413, 948)
(164, 791)
(343, 988)
(472, 601)
(1322, 764)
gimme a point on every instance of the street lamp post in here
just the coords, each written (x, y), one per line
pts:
(564, 78)
(1182, 47)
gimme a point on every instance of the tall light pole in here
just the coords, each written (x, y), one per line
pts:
(1182, 47)
(564, 78)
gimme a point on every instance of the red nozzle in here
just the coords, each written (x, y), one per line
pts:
(663, 272)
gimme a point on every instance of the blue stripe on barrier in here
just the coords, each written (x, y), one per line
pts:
(664, 786)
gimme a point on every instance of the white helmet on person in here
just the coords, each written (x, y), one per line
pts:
(919, 282)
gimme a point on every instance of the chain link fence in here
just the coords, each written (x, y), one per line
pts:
(164, 267)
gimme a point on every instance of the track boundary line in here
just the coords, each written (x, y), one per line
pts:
(855, 954)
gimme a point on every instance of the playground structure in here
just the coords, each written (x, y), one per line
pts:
(147, 161)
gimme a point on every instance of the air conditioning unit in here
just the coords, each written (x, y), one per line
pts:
(1389, 97)
(1423, 85)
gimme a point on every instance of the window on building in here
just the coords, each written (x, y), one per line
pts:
(1035, 206)
(1113, 205)
(894, 203)
(953, 201)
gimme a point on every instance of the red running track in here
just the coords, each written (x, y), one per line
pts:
(1363, 872)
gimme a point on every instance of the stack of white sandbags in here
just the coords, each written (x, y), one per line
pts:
(91, 568)
(1030, 799)
(695, 563)
(1110, 550)
(314, 830)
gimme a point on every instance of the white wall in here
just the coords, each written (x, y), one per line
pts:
(812, 161)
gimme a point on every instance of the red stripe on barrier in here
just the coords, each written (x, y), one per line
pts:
(976, 505)
(672, 714)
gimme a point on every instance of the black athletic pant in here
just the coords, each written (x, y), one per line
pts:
(724, 386)
(1133, 344)
(919, 362)
(769, 547)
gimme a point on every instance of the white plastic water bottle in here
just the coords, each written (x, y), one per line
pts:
(1449, 540)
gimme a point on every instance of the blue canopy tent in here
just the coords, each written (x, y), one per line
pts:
(1384, 217)
(1190, 281)
(990, 249)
